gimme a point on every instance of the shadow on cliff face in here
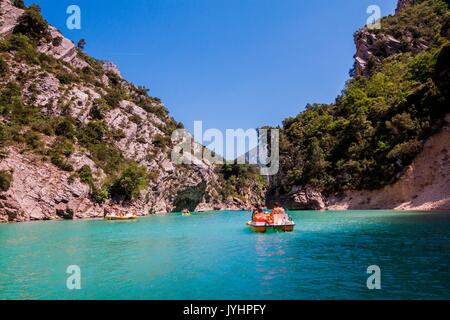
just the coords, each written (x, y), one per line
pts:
(442, 73)
(298, 198)
(190, 198)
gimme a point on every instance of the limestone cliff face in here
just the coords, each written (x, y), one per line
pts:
(373, 45)
(41, 191)
(9, 16)
(371, 48)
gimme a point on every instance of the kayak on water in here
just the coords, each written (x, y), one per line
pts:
(186, 213)
(128, 217)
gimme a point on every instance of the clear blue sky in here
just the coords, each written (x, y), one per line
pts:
(231, 63)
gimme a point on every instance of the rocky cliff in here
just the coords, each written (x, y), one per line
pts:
(410, 30)
(384, 143)
(71, 129)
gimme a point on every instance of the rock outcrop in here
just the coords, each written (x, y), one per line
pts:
(372, 46)
(9, 14)
(109, 66)
(62, 48)
(39, 190)
(301, 198)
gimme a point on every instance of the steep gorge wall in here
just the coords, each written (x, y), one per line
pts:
(42, 191)
(419, 28)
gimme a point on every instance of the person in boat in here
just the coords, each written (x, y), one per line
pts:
(279, 215)
(254, 213)
(277, 209)
(259, 216)
(268, 214)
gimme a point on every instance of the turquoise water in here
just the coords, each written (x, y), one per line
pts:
(215, 256)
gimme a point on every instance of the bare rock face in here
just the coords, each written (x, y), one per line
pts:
(138, 128)
(47, 89)
(369, 50)
(38, 189)
(59, 48)
(62, 48)
(109, 66)
(41, 191)
(80, 159)
(9, 14)
(303, 198)
(372, 46)
(10, 210)
(81, 99)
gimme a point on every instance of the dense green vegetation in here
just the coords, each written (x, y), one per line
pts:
(378, 124)
(132, 180)
(5, 180)
(3, 68)
(238, 179)
(19, 4)
(31, 23)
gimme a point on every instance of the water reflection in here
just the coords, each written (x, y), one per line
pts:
(271, 257)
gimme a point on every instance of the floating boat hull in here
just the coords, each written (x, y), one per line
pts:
(120, 218)
(264, 228)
